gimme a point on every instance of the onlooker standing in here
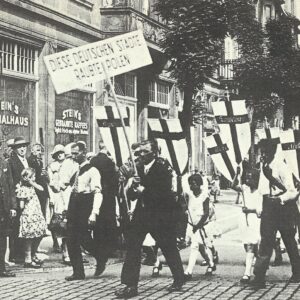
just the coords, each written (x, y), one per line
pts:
(32, 222)
(18, 163)
(105, 232)
(215, 187)
(35, 161)
(8, 206)
(57, 201)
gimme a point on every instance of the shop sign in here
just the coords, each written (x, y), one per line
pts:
(71, 123)
(10, 114)
(77, 67)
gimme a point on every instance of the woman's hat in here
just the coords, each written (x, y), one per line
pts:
(58, 148)
(19, 141)
(67, 149)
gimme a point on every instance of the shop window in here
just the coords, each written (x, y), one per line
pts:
(17, 57)
(125, 85)
(158, 92)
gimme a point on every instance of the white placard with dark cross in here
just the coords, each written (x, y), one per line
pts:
(111, 131)
(172, 141)
(222, 155)
(290, 144)
(233, 121)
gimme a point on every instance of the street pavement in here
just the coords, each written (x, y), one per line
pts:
(48, 283)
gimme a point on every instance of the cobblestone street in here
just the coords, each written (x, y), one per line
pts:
(48, 283)
(24, 288)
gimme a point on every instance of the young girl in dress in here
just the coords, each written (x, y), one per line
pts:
(249, 223)
(32, 222)
(198, 213)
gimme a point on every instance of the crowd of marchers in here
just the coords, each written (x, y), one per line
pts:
(89, 204)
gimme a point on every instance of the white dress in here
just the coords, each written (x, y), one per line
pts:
(56, 195)
(249, 224)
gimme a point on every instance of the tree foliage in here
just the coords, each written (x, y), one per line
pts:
(268, 69)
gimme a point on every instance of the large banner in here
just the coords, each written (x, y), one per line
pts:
(77, 67)
(171, 139)
(222, 155)
(112, 132)
(233, 120)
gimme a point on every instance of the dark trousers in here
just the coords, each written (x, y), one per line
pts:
(3, 244)
(105, 236)
(282, 218)
(16, 245)
(165, 236)
(79, 233)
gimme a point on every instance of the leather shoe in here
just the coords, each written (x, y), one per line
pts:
(127, 292)
(294, 279)
(99, 270)
(6, 274)
(175, 287)
(75, 277)
(257, 284)
(188, 277)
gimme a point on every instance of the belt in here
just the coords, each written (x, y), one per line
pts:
(81, 194)
(271, 199)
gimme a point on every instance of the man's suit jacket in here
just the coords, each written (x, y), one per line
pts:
(158, 199)
(16, 167)
(7, 194)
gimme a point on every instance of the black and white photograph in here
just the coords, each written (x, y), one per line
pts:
(150, 149)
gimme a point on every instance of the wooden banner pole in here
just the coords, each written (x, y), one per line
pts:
(120, 115)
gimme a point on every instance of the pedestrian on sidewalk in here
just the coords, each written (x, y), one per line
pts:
(8, 207)
(58, 204)
(249, 221)
(279, 213)
(198, 213)
(32, 222)
(18, 162)
(215, 187)
(84, 207)
(155, 214)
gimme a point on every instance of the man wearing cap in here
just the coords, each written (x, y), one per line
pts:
(17, 163)
(155, 213)
(278, 214)
(8, 208)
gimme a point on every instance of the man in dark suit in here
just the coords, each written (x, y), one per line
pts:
(155, 213)
(17, 163)
(8, 208)
(105, 233)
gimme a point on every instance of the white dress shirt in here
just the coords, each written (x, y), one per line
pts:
(89, 182)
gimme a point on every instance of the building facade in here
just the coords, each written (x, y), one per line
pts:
(29, 105)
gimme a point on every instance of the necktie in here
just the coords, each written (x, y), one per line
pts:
(75, 185)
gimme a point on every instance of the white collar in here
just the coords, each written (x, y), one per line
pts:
(148, 166)
(22, 158)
